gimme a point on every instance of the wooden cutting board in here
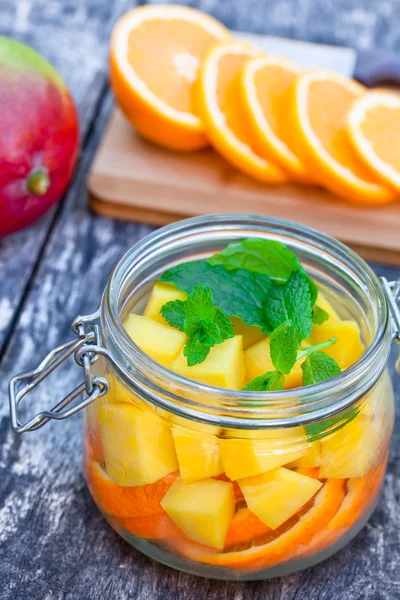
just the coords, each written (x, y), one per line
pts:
(132, 179)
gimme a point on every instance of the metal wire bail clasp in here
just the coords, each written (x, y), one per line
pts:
(84, 350)
(392, 292)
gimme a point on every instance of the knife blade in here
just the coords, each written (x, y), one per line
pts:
(370, 67)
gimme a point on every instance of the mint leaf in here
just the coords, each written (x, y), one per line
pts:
(174, 313)
(195, 351)
(224, 325)
(270, 381)
(204, 325)
(317, 367)
(299, 305)
(319, 315)
(291, 302)
(283, 347)
(237, 292)
(260, 256)
(199, 303)
(267, 257)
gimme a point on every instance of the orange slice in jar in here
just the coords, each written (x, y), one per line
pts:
(360, 497)
(283, 543)
(244, 527)
(155, 527)
(373, 125)
(124, 502)
(264, 86)
(219, 108)
(319, 107)
(155, 54)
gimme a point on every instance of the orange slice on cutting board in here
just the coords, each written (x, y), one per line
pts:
(265, 83)
(155, 55)
(320, 102)
(219, 107)
(373, 125)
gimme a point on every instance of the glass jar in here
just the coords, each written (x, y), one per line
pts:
(177, 467)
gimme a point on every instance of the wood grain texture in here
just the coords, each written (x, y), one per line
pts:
(54, 545)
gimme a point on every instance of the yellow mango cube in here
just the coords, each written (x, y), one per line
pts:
(348, 347)
(250, 334)
(246, 457)
(323, 303)
(311, 458)
(138, 446)
(223, 367)
(203, 509)
(257, 360)
(278, 494)
(160, 295)
(160, 342)
(198, 454)
(354, 449)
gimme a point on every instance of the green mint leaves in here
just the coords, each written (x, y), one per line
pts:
(317, 367)
(197, 317)
(291, 302)
(238, 293)
(268, 382)
(283, 347)
(319, 315)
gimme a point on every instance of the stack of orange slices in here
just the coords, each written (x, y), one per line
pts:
(184, 82)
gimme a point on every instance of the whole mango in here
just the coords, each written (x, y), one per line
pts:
(39, 135)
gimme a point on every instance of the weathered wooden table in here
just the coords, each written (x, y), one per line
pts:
(53, 542)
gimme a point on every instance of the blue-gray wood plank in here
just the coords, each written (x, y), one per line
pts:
(53, 542)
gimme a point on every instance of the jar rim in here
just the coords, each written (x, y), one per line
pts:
(313, 400)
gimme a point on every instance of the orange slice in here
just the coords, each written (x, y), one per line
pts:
(150, 527)
(124, 502)
(279, 545)
(265, 83)
(219, 108)
(374, 128)
(155, 54)
(319, 106)
(244, 527)
(360, 497)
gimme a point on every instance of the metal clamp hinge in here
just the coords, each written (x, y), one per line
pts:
(85, 352)
(392, 292)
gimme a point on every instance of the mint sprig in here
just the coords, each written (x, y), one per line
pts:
(267, 257)
(237, 292)
(270, 381)
(291, 302)
(203, 324)
(319, 366)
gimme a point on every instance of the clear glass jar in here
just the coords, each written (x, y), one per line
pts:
(326, 445)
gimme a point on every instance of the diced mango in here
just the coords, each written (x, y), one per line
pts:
(258, 361)
(160, 295)
(354, 449)
(323, 303)
(160, 342)
(311, 459)
(251, 334)
(246, 457)
(278, 494)
(223, 367)
(138, 446)
(348, 347)
(203, 510)
(198, 454)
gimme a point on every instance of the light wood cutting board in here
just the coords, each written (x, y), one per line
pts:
(132, 179)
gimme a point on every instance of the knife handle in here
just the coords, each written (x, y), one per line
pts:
(377, 67)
